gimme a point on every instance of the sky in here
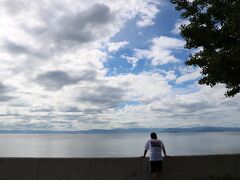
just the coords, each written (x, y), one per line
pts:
(102, 64)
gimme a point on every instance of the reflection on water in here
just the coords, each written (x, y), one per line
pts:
(115, 145)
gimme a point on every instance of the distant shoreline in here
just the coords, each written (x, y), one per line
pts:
(131, 130)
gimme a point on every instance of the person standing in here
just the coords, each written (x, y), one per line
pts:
(156, 147)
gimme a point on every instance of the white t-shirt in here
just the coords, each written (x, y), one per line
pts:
(156, 146)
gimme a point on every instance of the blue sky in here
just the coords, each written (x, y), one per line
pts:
(77, 65)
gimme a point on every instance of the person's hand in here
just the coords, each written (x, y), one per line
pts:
(167, 157)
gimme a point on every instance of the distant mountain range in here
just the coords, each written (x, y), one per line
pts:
(131, 130)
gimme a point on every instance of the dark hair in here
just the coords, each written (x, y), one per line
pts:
(153, 135)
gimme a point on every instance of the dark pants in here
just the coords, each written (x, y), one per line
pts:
(156, 166)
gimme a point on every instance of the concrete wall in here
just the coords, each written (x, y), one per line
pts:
(177, 168)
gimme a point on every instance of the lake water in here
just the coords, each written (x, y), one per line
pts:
(115, 145)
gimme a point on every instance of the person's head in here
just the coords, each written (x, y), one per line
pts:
(153, 135)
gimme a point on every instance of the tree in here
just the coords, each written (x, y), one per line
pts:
(214, 30)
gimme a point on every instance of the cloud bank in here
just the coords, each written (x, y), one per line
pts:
(54, 73)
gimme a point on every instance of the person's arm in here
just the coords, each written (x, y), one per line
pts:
(144, 154)
(146, 149)
(164, 150)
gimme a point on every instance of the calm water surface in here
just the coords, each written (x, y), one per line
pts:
(115, 145)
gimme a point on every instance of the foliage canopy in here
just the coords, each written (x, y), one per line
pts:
(214, 29)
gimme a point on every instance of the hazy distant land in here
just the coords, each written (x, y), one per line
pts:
(131, 130)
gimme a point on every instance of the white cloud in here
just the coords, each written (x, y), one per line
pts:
(147, 15)
(188, 74)
(115, 46)
(161, 50)
(176, 29)
(131, 60)
(146, 87)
